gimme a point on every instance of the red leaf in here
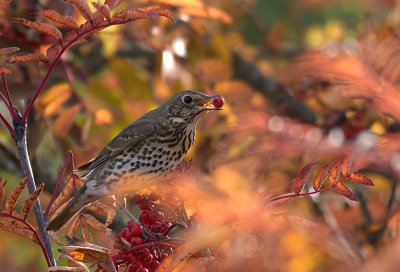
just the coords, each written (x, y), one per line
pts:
(335, 171)
(342, 189)
(360, 178)
(321, 176)
(303, 177)
(346, 166)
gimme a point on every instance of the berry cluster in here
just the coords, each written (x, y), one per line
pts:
(146, 245)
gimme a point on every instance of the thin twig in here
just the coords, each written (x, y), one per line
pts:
(290, 195)
(8, 96)
(59, 181)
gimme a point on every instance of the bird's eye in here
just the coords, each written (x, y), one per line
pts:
(187, 99)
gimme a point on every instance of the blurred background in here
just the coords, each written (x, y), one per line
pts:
(304, 81)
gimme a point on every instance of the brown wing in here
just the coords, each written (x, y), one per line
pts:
(129, 137)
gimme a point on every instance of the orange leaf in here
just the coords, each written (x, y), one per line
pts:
(103, 9)
(8, 50)
(86, 235)
(74, 226)
(64, 122)
(63, 197)
(360, 178)
(303, 177)
(53, 51)
(17, 227)
(321, 176)
(103, 210)
(84, 251)
(28, 203)
(342, 189)
(13, 196)
(5, 70)
(2, 185)
(65, 20)
(94, 223)
(152, 12)
(25, 57)
(42, 27)
(335, 171)
(83, 7)
(111, 3)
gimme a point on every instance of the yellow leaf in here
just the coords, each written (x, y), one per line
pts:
(103, 117)
(64, 122)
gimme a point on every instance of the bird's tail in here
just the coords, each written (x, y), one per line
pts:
(73, 207)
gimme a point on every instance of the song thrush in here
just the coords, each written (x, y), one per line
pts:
(154, 144)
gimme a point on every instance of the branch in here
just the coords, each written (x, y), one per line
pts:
(20, 128)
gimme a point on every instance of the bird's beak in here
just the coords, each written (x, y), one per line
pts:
(209, 103)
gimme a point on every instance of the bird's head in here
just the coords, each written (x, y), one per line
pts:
(188, 106)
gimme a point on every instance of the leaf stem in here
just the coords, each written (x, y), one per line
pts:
(8, 95)
(59, 181)
(292, 195)
(10, 129)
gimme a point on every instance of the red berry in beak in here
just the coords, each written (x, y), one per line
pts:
(218, 101)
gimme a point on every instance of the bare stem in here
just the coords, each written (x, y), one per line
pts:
(292, 195)
(59, 181)
(20, 139)
(8, 95)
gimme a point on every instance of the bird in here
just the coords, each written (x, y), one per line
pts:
(153, 145)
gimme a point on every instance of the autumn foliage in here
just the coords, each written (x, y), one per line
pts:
(298, 172)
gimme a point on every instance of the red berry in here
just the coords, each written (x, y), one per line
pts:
(129, 258)
(146, 206)
(142, 270)
(135, 267)
(165, 227)
(135, 241)
(136, 230)
(218, 101)
(138, 199)
(146, 258)
(153, 265)
(145, 218)
(156, 216)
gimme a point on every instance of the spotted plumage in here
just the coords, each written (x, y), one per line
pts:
(151, 146)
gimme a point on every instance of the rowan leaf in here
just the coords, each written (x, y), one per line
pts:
(303, 177)
(335, 171)
(103, 9)
(321, 176)
(13, 196)
(83, 7)
(18, 227)
(360, 178)
(111, 3)
(65, 20)
(30, 201)
(42, 27)
(86, 235)
(53, 51)
(64, 196)
(65, 120)
(4, 4)
(5, 70)
(2, 185)
(76, 222)
(343, 190)
(152, 12)
(94, 223)
(8, 50)
(103, 210)
(25, 57)
(85, 252)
